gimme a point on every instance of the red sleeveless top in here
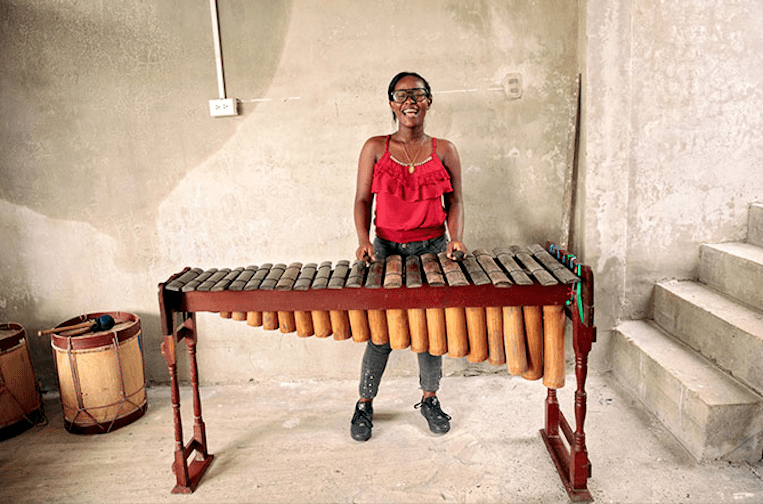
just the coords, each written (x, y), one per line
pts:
(409, 206)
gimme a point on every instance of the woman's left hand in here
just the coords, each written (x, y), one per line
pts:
(456, 250)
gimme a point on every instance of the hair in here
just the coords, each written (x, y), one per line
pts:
(397, 78)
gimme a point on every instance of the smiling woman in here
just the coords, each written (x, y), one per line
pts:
(416, 181)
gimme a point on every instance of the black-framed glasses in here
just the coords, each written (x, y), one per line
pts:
(400, 95)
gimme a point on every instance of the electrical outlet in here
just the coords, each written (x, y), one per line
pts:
(512, 85)
(223, 107)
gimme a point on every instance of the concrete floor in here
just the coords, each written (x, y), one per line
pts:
(288, 442)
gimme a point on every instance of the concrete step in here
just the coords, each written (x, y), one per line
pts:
(726, 332)
(755, 225)
(735, 269)
(710, 413)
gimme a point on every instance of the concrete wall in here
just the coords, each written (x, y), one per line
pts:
(113, 175)
(672, 155)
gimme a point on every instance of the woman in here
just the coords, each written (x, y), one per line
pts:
(416, 180)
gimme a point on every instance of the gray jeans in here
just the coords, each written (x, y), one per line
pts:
(376, 356)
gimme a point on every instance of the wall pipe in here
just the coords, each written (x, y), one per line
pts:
(218, 49)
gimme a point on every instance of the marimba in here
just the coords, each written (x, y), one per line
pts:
(506, 307)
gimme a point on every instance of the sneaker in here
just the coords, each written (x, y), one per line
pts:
(360, 426)
(439, 422)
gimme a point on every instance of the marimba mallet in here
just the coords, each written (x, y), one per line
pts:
(102, 323)
(436, 326)
(455, 316)
(397, 321)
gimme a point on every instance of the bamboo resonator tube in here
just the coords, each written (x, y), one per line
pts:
(529, 339)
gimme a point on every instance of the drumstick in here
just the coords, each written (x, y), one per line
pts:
(52, 330)
(102, 323)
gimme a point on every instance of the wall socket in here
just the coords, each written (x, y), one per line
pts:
(512, 85)
(223, 107)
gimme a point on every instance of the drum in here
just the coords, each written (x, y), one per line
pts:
(101, 375)
(19, 398)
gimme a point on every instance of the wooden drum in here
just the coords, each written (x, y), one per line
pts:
(101, 375)
(19, 399)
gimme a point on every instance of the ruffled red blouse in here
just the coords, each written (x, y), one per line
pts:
(409, 206)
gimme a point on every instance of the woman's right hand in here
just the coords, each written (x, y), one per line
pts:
(365, 252)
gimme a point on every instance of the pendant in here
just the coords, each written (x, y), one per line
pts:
(411, 168)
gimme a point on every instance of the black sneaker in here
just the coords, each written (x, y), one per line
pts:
(439, 421)
(360, 426)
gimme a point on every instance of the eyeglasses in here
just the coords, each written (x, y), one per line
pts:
(401, 95)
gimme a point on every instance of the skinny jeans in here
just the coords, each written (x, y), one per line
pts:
(376, 356)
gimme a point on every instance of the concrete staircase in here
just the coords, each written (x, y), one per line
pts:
(698, 365)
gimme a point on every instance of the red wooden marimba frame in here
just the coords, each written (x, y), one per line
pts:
(567, 448)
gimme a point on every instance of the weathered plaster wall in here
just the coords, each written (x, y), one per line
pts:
(113, 175)
(672, 153)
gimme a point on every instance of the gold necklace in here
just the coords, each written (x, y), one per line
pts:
(411, 163)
